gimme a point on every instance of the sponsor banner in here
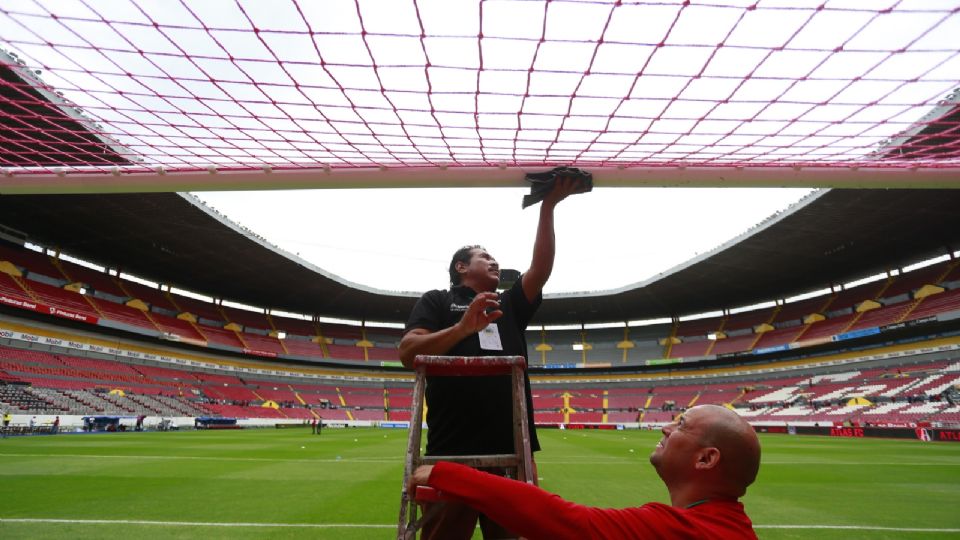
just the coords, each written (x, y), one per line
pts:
(847, 432)
(50, 310)
(662, 361)
(23, 304)
(388, 363)
(72, 315)
(588, 426)
(401, 425)
(561, 366)
(918, 432)
(896, 425)
(856, 334)
(778, 348)
(946, 435)
(908, 324)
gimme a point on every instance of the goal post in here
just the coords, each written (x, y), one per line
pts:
(459, 177)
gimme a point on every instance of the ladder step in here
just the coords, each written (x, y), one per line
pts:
(486, 460)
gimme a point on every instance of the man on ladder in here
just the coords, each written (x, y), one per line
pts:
(473, 415)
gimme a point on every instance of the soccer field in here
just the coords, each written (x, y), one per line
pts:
(345, 484)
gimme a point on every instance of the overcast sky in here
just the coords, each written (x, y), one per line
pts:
(402, 239)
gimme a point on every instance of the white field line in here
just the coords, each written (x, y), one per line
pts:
(197, 523)
(213, 458)
(600, 460)
(384, 526)
(858, 528)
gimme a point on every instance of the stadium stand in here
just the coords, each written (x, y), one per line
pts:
(54, 296)
(9, 286)
(699, 327)
(749, 319)
(295, 326)
(30, 261)
(123, 314)
(96, 281)
(220, 336)
(156, 299)
(302, 346)
(944, 302)
(786, 324)
(345, 352)
(69, 384)
(246, 318)
(796, 311)
(693, 348)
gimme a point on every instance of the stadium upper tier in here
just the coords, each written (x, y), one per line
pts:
(829, 238)
(35, 282)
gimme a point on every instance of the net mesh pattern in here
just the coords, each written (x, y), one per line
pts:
(240, 85)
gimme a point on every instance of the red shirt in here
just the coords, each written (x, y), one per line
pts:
(537, 514)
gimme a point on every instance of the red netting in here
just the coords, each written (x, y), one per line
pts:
(191, 85)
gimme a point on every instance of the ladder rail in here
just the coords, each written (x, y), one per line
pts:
(408, 507)
(522, 458)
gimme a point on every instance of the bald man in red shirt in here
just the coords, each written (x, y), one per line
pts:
(706, 458)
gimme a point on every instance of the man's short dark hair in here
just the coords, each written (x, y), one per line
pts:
(462, 255)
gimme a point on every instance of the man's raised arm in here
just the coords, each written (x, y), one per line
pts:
(545, 245)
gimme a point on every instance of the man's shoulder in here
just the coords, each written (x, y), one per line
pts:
(435, 295)
(437, 292)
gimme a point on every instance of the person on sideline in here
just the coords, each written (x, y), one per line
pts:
(474, 415)
(706, 459)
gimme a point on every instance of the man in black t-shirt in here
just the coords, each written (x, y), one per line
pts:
(473, 415)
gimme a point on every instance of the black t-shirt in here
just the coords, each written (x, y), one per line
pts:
(474, 415)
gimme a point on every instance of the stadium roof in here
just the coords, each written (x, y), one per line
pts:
(831, 237)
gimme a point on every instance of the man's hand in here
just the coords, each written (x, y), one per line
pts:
(563, 188)
(420, 477)
(483, 310)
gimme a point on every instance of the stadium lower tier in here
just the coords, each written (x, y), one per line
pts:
(42, 383)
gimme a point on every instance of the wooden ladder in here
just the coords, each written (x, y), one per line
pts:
(519, 464)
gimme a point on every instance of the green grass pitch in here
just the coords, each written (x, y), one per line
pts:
(345, 484)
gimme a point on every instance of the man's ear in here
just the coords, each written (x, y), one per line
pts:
(461, 267)
(708, 458)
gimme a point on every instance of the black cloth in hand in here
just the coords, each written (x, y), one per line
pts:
(542, 183)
